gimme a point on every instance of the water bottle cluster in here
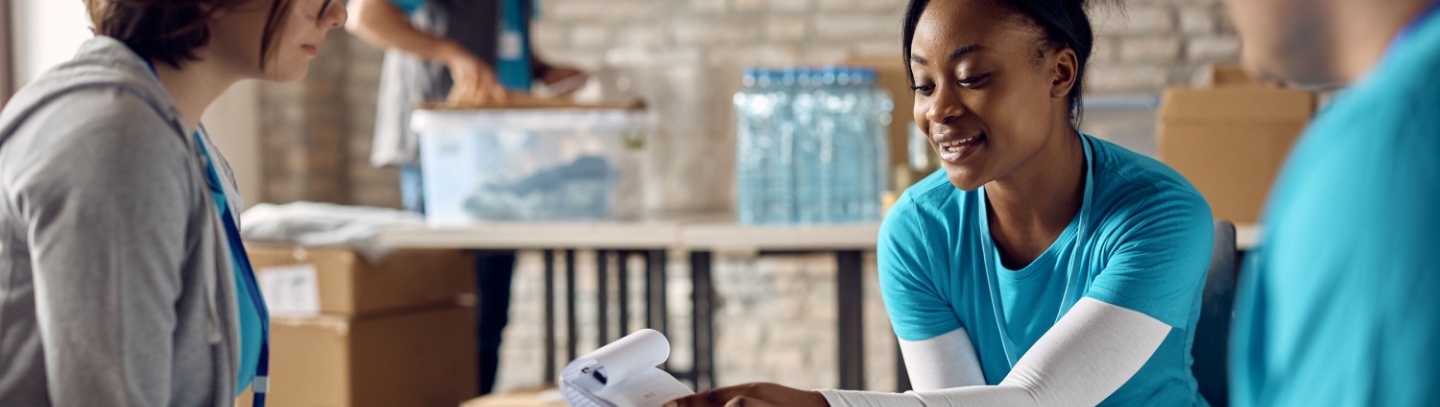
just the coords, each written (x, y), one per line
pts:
(811, 145)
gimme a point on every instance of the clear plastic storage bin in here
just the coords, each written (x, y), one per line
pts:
(530, 164)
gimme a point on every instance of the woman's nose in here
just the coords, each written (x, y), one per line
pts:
(335, 17)
(945, 106)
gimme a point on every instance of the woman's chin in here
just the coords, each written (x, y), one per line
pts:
(289, 73)
(964, 178)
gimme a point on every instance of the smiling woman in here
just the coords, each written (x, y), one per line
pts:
(126, 280)
(1040, 266)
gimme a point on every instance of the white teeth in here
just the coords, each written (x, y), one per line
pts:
(957, 143)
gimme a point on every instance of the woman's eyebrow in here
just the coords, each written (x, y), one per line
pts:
(954, 55)
(960, 52)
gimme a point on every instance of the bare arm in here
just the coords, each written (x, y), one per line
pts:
(384, 25)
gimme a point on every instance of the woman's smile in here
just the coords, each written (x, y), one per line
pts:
(953, 149)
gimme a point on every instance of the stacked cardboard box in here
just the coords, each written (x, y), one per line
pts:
(348, 332)
(1230, 139)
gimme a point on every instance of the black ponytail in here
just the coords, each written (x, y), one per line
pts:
(1066, 24)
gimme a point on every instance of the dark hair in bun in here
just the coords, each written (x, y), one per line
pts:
(1066, 24)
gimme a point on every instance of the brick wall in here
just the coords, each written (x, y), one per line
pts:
(776, 317)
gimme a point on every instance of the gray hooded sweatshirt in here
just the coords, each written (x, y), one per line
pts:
(115, 284)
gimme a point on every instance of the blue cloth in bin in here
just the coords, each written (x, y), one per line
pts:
(578, 190)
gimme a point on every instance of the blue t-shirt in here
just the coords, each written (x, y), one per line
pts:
(251, 331)
(1142, 240)
(408, 6)
(513, 58)
(1340, 305)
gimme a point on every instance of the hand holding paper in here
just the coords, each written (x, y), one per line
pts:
(623, 374)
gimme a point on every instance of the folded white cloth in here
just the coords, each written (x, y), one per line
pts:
(324, 224)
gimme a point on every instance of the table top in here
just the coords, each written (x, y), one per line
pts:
(690, 232)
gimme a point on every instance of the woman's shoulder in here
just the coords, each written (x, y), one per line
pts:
(91, 137)
(1130, 186)
(933, 195)
(1121, 172)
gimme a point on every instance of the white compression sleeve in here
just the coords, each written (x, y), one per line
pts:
(942, 362)
(1089, 353)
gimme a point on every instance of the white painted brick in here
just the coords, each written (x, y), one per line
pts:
(592, 10)
(1106, 50)
(786, 28)
(762, 55)
(791, 5)
(850, 27)
(709, 31)
(859, 5)
(641, 35)
(1139, 20)
(877, 48)
(706, 6)
(549, 35)
(745, 6)
(825, 54)
(1212, 49)
(1150, 49)
(589, 36)
(1125, 78)
(1198, 20)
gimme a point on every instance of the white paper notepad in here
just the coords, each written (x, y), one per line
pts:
(623, 374)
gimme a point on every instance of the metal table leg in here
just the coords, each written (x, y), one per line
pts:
(849, 296)
(703, 323)
(623, 264)
(602, 296)
(655, 289)
(549, 370)
(571, 334)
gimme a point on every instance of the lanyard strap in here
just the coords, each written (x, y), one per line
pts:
(260, 385)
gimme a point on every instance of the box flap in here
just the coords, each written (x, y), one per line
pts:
(1229, 74)
(1236, 104)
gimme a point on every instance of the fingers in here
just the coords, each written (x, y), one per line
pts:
(474, 82)
(744, 401)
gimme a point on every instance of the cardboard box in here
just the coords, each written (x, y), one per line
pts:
(1230, 141)
(340, 282)
(418, 359)
(1229, 75)
(523, 398)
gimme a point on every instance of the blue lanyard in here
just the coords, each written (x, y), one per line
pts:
(260, 384)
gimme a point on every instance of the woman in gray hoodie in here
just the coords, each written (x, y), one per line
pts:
(123, 281)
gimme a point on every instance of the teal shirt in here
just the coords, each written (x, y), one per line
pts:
(251, 331)
(1142, 240)
(1340, 305)
(513, 70)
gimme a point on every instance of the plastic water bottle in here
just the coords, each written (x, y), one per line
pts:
(749, 153)
(879, 106)
(811, 146)
(781, 166)
(858, 156)
(841, 166)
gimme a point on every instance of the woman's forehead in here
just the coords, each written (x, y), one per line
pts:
(960, 23)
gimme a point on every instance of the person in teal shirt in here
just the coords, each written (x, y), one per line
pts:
(1040, 266)
(1340, 303)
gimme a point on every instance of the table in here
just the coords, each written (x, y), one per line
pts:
(848, 242)
(652, 239)
(701, 235)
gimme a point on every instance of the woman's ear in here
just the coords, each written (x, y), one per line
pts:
(1064, 70)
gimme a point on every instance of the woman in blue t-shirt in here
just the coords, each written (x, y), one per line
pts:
(1040, 266)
